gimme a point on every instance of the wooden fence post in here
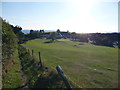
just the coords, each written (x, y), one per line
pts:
(40, 59)
(64, 78)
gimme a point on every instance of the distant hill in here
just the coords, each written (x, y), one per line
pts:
(28, 31)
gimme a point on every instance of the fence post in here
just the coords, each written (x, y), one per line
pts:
(40, 59)
(64, 78)
(32, 52)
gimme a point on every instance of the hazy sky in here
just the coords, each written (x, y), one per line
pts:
(73, 15)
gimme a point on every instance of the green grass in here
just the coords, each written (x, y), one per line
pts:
(38, 77)
(88, 65)
(12, 78)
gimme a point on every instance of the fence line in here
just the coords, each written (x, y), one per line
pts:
(40, 61)
(39, 56)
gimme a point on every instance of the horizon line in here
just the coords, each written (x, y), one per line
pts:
(70, 31)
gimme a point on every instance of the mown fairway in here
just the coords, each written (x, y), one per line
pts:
(87, 65)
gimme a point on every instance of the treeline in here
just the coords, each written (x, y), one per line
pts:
(48, 35)
(104, 39)
(35, 34)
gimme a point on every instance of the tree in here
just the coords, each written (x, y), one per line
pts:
(58, 31)
(20, 35)
(16, 29)
(53, 36)
(31, 31)
(42, 31)
(82, 37)
(73, 36)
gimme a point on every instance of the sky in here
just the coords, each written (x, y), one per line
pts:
(81, 16)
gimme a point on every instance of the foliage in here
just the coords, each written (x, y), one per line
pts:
(20, 35)
(73, 36)
(104, 39)
(38, 77)
(10, 61)
(9, 40)
(29, 66)
(107, 39)
(12, 79)
(53, 36)
(35, 34)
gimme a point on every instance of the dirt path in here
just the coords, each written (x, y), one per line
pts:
(23, 77)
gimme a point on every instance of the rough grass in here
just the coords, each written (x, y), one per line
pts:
(88, 65)
(12, 79)
(37, 76)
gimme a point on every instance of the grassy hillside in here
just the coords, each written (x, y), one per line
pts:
(11, 76)
(87, 65)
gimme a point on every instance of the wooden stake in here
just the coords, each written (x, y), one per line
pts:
(63, 76)
(40, 59)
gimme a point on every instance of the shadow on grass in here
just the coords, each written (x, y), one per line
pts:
(49, 42)
(49, 80)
